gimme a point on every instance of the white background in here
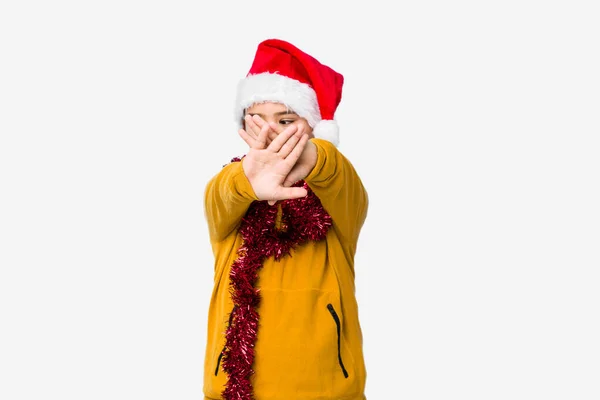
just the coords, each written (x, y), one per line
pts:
(474, 126)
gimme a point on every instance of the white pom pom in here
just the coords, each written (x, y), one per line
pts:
(328, 130)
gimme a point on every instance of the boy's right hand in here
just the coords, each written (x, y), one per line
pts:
(267, 166)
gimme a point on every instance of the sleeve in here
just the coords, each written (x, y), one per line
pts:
(226, 199)
(337, 184)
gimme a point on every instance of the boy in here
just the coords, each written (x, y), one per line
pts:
(284, 222)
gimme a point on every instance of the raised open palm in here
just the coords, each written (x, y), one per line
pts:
(305, 162)
(268, 166)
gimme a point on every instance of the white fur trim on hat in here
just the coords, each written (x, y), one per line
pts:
(327, 129)
(266, 86)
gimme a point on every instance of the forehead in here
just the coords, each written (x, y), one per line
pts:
(267, 108)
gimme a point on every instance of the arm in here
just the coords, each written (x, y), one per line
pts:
(337, 184)
(259, 176)
(226, 199)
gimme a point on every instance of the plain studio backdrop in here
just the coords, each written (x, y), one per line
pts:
(474, 126)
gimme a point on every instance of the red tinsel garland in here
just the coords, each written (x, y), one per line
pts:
(301, 220)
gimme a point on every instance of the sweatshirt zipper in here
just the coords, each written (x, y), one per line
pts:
(225, 346)
(337, 324)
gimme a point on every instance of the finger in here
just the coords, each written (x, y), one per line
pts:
(258, 119)
(251, 127)
(258, 122)
(298, 171)
(272, 136)
(275, 127)
(290, 144)
(297, 152)
(292, 193)
(247, 138)
(292, 177)
(283, 137)
(262, 137)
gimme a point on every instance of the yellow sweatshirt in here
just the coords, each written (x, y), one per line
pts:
(309, 341)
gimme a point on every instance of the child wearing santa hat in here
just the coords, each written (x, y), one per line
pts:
(284, 222)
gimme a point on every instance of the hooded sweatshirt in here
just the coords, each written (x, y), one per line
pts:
(309, 341)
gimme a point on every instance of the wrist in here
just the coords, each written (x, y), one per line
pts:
(311, 154)
(247, 171)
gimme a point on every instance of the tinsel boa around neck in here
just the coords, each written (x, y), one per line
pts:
(267, 231)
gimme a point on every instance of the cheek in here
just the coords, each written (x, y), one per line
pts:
(308, 129)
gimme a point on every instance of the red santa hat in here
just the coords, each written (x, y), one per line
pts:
(282, 73)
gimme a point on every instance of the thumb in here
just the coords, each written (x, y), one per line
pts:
(292, 193)
(294, 176)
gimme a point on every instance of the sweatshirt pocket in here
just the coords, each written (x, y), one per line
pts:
(225, 346)
(296, 352)
(336, 319)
